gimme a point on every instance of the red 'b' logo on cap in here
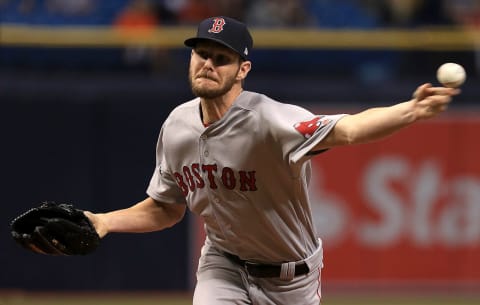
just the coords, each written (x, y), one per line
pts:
(217, 26)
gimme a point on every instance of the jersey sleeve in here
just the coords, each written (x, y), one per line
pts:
(296, 130)
(162, 186)
(313, 132)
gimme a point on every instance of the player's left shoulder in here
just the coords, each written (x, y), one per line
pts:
(249, 100)
(264, 104)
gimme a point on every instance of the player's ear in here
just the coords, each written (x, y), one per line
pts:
(245, 67)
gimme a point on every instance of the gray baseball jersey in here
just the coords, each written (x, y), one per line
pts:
(246, 175)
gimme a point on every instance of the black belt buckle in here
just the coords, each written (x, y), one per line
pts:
(261, 270)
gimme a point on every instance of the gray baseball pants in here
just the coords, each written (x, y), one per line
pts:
(221, 281)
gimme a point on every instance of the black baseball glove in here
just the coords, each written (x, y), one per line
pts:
(55, 229)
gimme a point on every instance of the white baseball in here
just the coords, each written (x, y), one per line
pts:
(451, 75)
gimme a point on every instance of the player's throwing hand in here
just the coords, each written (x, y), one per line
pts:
(429, 101)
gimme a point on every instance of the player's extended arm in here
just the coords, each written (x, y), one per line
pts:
(145, 216)
(376, 123)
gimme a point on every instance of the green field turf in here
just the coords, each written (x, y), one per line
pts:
(53, 298)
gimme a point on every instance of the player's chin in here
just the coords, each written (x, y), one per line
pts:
(207, 92)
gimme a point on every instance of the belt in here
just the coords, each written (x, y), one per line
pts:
(265, 270)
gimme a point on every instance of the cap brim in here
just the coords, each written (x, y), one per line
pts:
(192, 42)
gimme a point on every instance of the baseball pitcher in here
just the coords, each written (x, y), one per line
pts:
(241, 161)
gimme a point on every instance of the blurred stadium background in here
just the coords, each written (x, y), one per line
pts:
(85, 86)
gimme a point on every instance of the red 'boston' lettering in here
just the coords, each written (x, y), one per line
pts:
(181, 183)
(210, 168)
(228, 178)
(196, 173)
(189, 178)
(197, 176)
(247, 181)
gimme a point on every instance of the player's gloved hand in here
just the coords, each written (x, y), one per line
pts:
(55, 229)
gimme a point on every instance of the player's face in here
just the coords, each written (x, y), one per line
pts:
(214, 69)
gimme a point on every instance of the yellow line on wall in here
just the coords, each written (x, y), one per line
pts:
(173, 37)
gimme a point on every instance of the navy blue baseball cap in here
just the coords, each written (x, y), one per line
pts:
(226, 31)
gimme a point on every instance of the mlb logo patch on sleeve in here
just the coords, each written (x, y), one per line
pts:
(308, 128)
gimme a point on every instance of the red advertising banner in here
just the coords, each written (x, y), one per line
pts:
(407, 207)
(404, 208)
